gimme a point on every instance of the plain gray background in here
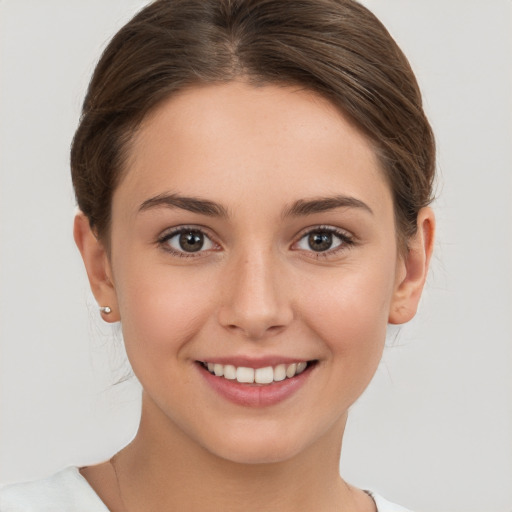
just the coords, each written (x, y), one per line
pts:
(434, 430)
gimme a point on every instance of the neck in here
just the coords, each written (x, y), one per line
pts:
(163, 469)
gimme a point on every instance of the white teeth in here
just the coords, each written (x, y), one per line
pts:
(301, 367)
(280, 372)
(291, 370)
(265, 375)
(230, 372)
(245, 375)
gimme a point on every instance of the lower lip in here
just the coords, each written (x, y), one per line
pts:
(254, 395)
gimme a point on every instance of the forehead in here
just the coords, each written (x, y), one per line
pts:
(236, 143)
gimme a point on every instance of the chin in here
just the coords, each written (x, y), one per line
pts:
(266, 452)
(268, 444)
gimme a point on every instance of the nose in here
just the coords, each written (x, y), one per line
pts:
(256, 299)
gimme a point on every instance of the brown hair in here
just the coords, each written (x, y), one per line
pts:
(334, 47)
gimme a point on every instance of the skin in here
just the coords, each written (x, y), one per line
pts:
(257, 289)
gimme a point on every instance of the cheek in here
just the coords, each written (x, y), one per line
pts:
(350, 313)
(161, 310)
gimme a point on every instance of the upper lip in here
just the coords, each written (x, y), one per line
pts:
(254, 362)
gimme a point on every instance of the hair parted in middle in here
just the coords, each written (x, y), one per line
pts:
(336, 48)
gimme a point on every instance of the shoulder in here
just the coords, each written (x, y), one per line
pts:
(384, 505)
(66, 491)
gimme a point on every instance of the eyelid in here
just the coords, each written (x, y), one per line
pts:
(347, 240)
(169, 233)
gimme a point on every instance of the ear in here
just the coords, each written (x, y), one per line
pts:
(412, 270)
(97, 265)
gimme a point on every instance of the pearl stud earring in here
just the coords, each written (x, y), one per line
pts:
(105, 309)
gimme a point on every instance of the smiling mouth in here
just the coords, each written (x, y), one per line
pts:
(266, 375)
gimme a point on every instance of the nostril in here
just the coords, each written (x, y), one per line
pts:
(252, 303)
(255, 331)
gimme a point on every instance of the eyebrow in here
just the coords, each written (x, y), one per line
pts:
(191, 204)
(323, 204)
(299, 208)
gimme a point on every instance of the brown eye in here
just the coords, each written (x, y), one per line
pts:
(324, 240)
(191, 241)
(186, 241)
(320, 241)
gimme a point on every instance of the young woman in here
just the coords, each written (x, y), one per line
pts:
(253, 178)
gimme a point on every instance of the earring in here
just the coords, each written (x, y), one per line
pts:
(105, 309)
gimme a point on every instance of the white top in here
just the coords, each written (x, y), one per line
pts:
(69, 491)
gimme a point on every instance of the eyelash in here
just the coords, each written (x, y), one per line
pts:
(163, 241)
(345, 241)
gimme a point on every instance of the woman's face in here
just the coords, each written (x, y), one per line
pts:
(253, 230)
